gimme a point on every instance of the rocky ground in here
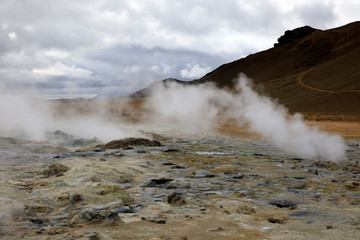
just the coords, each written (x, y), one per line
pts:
(211, 187)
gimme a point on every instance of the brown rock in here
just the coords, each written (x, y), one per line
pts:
(124, 143)
(176, 199)
(55, 169)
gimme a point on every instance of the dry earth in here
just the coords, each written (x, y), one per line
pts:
(238, 187)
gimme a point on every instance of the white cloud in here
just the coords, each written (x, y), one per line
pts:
(155, 69)
(29, 28)
(162, 69)
(56, 53)
(14, 57)
(194, 71)
(60, 69)
(316, 14)
(346, 11)
(12, 35)
(131, 69)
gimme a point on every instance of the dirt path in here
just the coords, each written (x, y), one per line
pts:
(301, 82)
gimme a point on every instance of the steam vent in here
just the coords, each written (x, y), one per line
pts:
(95, 146)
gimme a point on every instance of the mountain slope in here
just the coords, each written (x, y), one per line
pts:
(318, 72)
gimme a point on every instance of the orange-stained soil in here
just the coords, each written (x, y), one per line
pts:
(347, 129)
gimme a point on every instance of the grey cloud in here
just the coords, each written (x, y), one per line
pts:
(128, 44)
(47, 24)
(136, 55)
(205, 16)
(318, 15)
(5, 42)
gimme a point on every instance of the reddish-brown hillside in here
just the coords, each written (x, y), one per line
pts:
(314, 72)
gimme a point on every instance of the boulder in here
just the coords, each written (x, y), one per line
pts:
(55, 169)
(127, 142)
(291, 35)
(176, 199)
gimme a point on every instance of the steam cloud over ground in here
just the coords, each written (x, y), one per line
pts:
(25, 117)
(201, 106)
(187, 106)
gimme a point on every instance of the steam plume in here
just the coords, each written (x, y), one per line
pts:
(188, 106)
(200, 105)
(289, 132)
(30, 118)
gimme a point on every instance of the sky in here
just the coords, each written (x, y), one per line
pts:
(86, 48)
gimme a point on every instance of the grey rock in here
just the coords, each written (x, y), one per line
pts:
(204, 174)
(99, 149)
(300, 178)
(171, 150)
(85, 154)
(167, 164)
(64, 155)
(284, 204)
(158, 182)
(276, 220)
(178, 167)
(313, 171)
(94, 236)
(237, 176)
(99, 215)
(102, 213)
(38, 220)
(37, 209)
(125, 209)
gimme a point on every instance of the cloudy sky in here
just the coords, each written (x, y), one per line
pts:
(82, 48)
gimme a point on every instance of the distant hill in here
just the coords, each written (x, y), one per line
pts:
(146, 91)
(308, 70)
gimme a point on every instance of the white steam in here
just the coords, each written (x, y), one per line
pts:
(190, 107)
(30, 118)
(18, 117)
(200, 106)
(288, 132)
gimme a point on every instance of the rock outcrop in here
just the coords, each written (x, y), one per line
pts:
(291, 35)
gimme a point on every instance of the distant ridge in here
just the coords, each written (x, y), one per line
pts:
(146, 91)
(308, 70)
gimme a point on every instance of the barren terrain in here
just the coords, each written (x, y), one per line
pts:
(226, 184)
